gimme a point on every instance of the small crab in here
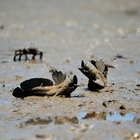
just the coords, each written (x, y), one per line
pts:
(25, 51)
(96, 72)
(44, 87)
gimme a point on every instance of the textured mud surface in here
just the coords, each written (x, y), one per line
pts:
(68, 32)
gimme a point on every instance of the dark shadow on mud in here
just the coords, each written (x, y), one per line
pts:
(86, 89)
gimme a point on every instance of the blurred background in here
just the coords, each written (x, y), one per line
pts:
(70, 28)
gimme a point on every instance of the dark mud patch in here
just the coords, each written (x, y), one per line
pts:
(132, 12)
(59, 120)
(64, 120)
(120, 57)
(38, 121)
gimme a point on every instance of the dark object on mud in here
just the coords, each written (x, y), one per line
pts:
(2, 27)
(138, 85)
(120, 56)
(122, 107)
(25, 51)
(96, 72)
(64, 120)
(105, 104)
(39, 121)
(44, 87)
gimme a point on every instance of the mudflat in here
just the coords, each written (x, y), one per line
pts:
(68, 32)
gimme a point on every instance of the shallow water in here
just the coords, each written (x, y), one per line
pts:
(106, 116)
(119, 117)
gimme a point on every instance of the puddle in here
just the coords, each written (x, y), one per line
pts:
(93, 115)
(119, 117)
(59, 120)
(104, 116)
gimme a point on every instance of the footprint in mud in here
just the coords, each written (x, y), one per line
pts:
(107, 103)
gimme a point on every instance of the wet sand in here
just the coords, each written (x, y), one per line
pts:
(68, 32)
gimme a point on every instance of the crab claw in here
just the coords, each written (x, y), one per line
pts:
(57, 76)
(82, 65)
(101, 67)
(83, 68)
(74, 85)
(86, 68)
(75, 80)
(96, 72)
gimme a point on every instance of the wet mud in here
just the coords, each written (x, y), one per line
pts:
(83, 30)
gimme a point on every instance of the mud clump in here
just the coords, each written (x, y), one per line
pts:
(63, 120)
(122, 107)
(107, 103)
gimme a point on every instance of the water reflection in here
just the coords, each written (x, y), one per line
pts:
(104, 116)
(48, 120)
(59, 120)
(119, 117)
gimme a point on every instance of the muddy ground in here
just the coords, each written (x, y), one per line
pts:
(68, 32)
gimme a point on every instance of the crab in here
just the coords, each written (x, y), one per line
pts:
(96, 72)
(25, 51)
(63, 86)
